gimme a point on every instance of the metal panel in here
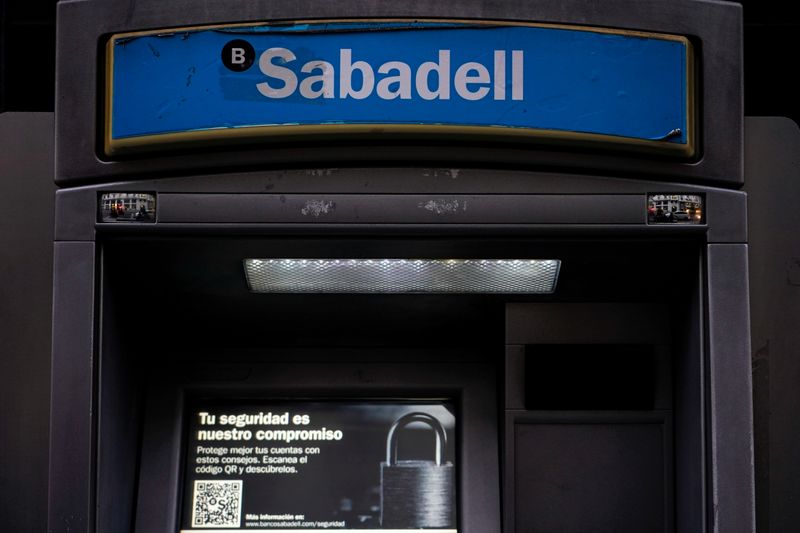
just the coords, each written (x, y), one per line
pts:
(26, 256)
(71, 429)
(405, 209)
(689, 378)
(626, 455)
(555, 323)
(157, 500)
(515, 377)
(730, 390)
(727, 215)
(75, 214)
(773, 188)
(80, 25)
(246, 197)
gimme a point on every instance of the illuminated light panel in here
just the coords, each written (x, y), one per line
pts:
(402, 276)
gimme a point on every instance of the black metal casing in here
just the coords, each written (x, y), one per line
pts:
(147, 315)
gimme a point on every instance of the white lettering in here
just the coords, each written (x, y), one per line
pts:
(394, 79)
(346, 68)
(517, 75)
(442, 69)
(325, 78)
(237, 56)
(499, 75)
(268, 68)
(464, 79)
(402, 80)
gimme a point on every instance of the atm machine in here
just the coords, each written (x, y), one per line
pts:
(471, 266)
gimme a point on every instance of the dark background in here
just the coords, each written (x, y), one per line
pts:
(27, 59)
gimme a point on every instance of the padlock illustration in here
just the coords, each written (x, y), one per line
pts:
(417, 494)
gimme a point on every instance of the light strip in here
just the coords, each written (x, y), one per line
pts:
(402, 276)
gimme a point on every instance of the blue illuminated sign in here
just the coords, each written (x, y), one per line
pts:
(528, 81)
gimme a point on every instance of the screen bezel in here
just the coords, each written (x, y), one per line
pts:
(471, 387)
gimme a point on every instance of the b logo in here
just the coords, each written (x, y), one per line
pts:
(238, 55)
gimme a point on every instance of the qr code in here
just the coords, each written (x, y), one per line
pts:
(217, 503)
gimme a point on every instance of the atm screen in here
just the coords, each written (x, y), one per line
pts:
(320, 465)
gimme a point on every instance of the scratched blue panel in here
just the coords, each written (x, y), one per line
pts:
(577, 81)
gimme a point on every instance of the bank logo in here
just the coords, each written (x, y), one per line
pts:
(351, 77)
(418, 79)
(238, 55)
